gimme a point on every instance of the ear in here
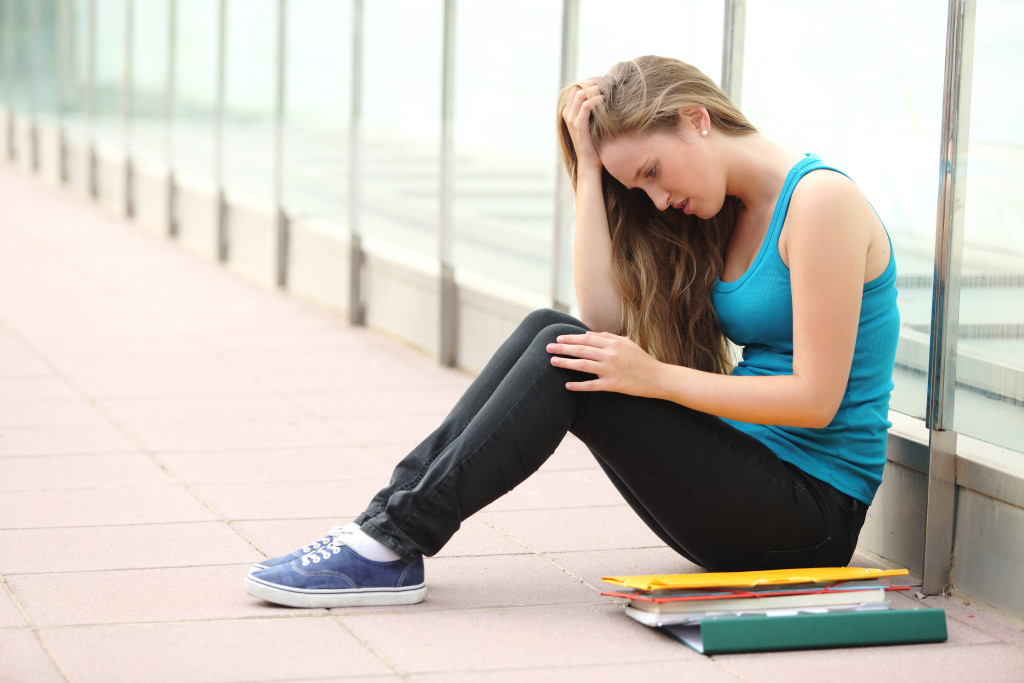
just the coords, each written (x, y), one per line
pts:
(694, 118)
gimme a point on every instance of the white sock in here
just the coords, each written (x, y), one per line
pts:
(370, 548)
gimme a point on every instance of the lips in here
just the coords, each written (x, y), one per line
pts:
(682, 205)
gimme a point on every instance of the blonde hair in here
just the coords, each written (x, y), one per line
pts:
(664, 263)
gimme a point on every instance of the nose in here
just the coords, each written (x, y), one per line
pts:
(658, 198)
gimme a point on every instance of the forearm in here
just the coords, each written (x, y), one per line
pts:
(788, 400)
(599, 301)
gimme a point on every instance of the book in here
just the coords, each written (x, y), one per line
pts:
(732, 634)
(667, 605)
(655, 619)
(814, 575)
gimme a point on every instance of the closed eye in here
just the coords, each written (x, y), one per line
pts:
(651, 172)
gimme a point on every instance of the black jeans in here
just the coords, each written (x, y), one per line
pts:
(718, 497)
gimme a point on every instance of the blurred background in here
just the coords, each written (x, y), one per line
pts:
(423, 133)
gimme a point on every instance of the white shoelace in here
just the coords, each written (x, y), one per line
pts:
(331, 535)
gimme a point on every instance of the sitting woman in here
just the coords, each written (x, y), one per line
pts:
(690, 228)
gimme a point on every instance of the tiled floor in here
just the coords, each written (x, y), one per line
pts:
(164, 423)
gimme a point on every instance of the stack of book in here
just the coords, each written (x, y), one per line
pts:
(777, 610)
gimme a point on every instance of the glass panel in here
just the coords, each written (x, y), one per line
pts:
(44, 60)
(111, 51)
(20, 56)
(989, 400)
(690, 30)
(318, 85)
(400, 130)
(504, 132)
(250, 79)
(195, 92)
(868, 103)
(150, 48)
(74, 69)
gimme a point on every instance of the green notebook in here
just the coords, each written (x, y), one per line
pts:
(724, 635)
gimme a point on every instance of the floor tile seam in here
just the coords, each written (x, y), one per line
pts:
(369, 614)
(81, 454)
(154, 568)
(121, 525)
(367, 645)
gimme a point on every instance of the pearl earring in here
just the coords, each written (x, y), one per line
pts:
(704, 133)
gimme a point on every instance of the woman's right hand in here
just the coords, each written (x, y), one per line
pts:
(577, 120)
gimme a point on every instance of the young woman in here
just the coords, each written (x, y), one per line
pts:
(689, 224)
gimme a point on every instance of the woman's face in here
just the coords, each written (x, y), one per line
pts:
(673, 167)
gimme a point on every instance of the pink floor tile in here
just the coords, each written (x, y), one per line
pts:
(593, 565)
(131, 596)
(27, 412)
(193, 409)
(141, 546)
(225, 435)
(24, 659)
(276, 465)
(20, 388)
(62, 439)
(100, 507)
(243, 650)
(560, 530)
(53, 472)
(10, 615)
(341, 499)
(668, 669)
(511, 638)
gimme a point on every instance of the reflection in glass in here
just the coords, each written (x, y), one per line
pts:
(989, 401)
(869, 105)
(44, 61)
(250, 80)
(195, 92)
(318, 87)
(504, 186)
(400, 127)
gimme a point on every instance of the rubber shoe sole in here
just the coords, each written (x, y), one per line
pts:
(330, 597)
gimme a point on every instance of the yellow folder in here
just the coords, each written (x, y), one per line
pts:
(773, 577)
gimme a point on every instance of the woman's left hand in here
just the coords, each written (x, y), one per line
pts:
(620, 365)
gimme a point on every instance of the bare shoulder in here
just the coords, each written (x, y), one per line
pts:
(828, 205)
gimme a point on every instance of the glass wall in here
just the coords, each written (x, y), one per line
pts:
(400, 125)
(869, 104)
(318, 110)
(989, 400)
(193, 148)
(149, 86)
(506, 83)
(848, 81)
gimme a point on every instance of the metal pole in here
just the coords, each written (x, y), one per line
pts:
(223, 245)
(561, 254)
(63, 34)
(939, 520)
(127, 106)
(169, 96)
(733, 37)
(33, 86)
(356, 305)
(8, 46)
(446, 228)
(281, 218)
(90, 111)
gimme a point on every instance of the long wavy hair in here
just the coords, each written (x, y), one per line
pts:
(664, 263)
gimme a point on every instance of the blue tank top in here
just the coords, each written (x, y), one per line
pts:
(756, 312)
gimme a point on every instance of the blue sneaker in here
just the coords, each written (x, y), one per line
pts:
(334, 533)
(337, 576)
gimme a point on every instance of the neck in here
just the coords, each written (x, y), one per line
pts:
(755, 169)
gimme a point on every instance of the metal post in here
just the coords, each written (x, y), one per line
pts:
(8, 47)
(127, 107)
(561, 254)
(945, 318)
(356, 305)
(223, 245)
(446, 228)
(63, 34)
(281, 218)
(169, 96)
(33, 87)
(90, 98)
(733, 37)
